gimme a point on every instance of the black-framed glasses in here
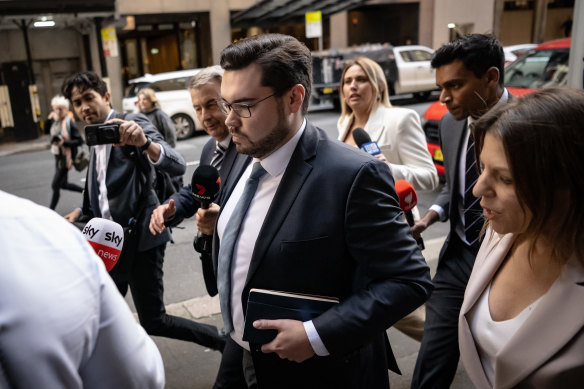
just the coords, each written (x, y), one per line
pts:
(241, 109)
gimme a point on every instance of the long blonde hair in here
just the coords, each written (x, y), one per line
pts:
(376, 79)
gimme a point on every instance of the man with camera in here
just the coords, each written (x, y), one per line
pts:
(119, 188)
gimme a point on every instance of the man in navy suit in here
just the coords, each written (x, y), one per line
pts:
(324, 220)
(116, 189)
(469, 71)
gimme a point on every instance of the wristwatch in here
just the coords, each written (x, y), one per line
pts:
(147, 144)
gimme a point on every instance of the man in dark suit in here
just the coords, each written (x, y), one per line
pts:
(324, 220)
(219, 151)
(469, 71)
(117, 188)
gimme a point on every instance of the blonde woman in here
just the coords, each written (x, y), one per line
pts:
(65, 139)
(150, 106)
(397, 131)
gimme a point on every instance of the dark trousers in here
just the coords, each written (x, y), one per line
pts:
(60, 181)
(144, 277)
(231, 370)
(439, 354)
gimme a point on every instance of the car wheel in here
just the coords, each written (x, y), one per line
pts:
(422, 95)
(184, 126)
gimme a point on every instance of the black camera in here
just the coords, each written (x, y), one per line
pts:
(101, 134)
(55, 139)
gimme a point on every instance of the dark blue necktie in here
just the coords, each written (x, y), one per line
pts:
(473, 219)
(218, 156)
(228, 241)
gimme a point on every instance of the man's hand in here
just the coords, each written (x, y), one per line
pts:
(132, 134)
(206, 219)
(160, 215)
(73, 216)
(421, 225)
(291, 342)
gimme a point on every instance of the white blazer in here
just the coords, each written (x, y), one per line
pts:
(547, 351)
(400, 137)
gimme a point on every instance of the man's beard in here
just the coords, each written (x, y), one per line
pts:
(270, 142)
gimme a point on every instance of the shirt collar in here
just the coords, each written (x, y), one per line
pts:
(225, 142)
(276, 163)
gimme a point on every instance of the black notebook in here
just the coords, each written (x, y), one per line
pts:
(271, 305)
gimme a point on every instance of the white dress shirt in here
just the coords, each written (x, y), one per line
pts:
(63, 322)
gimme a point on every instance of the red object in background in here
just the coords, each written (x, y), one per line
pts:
(436, 110)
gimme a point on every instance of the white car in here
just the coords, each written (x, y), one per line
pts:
(175, 99)
(516, 51)
(415, 74)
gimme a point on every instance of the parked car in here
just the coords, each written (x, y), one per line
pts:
(407, 69)
(175, 100)
(546, 66)
(514, 52)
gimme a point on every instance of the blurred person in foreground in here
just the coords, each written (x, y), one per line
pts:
(522, 322)
(323, 219)
(63, 323)
(469, 72)
(398, 133)
(119, 188)
(65, 139)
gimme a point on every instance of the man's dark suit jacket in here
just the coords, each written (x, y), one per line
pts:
(452, 140)
(335, 228)
(186, 205)
(125, 183)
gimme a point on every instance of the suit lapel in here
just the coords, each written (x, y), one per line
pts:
(551, 323)
(375, 125)
(294, 177)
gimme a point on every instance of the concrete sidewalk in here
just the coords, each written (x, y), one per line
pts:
(41, 143)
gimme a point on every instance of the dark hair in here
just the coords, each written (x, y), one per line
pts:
(83, 81)
(544, 144)
(478, 53)
(285, 61)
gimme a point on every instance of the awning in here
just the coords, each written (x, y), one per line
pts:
(36, 7)
(275, 12)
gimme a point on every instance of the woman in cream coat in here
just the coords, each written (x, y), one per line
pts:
(522, 319)
(397, 131)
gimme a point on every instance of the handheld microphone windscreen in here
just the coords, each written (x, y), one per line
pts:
(364, 142)
(407, 195)
(107, 239)
(205, 183)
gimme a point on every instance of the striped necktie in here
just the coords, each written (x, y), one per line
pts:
(218, 156)
(473, 219)
(228, 242)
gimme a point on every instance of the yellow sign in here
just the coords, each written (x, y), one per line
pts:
(313, 24)
(313, 17)
(438, 155)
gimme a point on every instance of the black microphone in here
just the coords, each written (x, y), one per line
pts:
(364, 142)
(205, 185)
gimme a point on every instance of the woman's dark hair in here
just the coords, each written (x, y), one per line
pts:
(544, 143)
(83, 81)
(478, 53)
(285, 61)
